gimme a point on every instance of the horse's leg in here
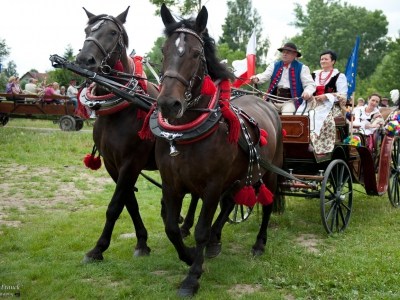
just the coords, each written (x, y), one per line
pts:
(259, 246)
(214, 246)
(123, 195)
(173, 205)
(190, 285)
(189, 219)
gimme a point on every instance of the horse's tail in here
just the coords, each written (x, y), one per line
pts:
(278, 206)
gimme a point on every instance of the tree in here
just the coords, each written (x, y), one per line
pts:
(385, 77)
(69, 53)
(11, 69)
(155, 57)
(185, 7)
(239, 25)
(4, 50)
(331, 25)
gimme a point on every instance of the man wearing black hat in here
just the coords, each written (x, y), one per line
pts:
(289, 79)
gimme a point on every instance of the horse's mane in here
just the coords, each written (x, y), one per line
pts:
(216, 69)
(94, 19)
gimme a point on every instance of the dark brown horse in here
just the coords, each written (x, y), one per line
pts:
(211, 166)
(115, 134)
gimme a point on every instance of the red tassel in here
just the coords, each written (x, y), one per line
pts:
(92, 162)
(263, 137)
(118, 66)
(145, 132)
(233, 122)
(265, 197)
(224, 90)
(246, 196)
(208, 88)
(283, 132)
(141, 114)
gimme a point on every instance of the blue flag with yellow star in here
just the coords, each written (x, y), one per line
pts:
(351, 69)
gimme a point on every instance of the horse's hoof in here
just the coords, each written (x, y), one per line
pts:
(89, 259)
(257, 253)
(188, 291)
(213, 250)
(142, 252)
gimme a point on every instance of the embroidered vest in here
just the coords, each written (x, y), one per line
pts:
(330, 87)
(296, 86)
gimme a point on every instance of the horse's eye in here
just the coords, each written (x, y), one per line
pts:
(196, 54)
(113, 32)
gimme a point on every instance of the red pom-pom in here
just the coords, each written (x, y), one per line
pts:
(92, 162)
(118, 66)
(145, 132)
(232, 120)
(264, 135)
(141, 114)
(208, 88)
(246, 196)
(283, 132)
(265, 197)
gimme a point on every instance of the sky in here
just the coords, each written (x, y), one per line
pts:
(38, 29)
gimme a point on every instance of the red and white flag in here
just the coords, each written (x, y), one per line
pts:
(244, 69)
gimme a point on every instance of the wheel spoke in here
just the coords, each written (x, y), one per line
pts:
(334, 216)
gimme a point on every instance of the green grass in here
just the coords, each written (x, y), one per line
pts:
(59, 209)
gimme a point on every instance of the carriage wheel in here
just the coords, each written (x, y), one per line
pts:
(336, 197)
(3, 120)
(67, 123)
(79, 125)
(239, 214)
(394, 180)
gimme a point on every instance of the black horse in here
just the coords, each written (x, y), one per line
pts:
(210, 165)
(116, 129)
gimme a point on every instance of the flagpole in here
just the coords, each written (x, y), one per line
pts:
(352, 113)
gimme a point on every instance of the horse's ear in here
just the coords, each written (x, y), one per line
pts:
(201, 20)
(122, 17)
(166, 15)
(89, 14)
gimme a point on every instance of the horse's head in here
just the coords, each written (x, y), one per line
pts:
(105, 43)
(184, 63)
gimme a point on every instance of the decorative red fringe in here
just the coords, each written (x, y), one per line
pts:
(225, 90)
(118, 66)
(265, 197)
(145, 132)
(208, 87)
(283, 132)
(233, 122)
(92, 162)
(246, 196)
(263, 137)
(141, 114)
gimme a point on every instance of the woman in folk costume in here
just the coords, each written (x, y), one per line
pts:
(331, 88)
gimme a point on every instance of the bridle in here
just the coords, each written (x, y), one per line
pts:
(104, 67)
(173, 74)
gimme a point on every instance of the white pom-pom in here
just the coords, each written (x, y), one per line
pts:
(394, 94)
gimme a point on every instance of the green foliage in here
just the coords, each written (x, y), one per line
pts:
(11, 69)
(239, 25)
(62, 77)
(155, 57)
(69, 53)
(185, 7)
(331, 25)
(4, 50)
(3, 82)
(385, 77)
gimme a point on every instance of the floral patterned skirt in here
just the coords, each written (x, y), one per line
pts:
(325, 142)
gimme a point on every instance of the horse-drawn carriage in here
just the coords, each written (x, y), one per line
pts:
(210, 165)
(61, 114)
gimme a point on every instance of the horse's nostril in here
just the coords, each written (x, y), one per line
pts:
(177, 106)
